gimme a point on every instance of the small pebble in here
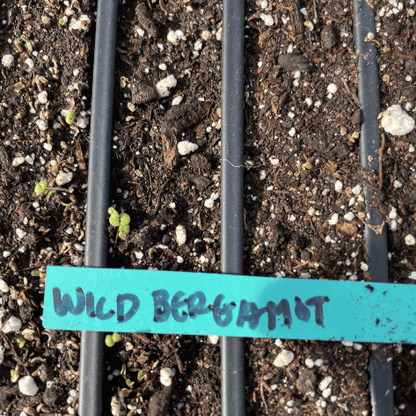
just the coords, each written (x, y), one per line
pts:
(284, 358)
(27, 386)
(396, 121)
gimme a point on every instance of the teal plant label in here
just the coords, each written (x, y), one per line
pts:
(114, 300)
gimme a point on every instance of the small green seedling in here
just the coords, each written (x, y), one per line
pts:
(129, 383)
(42, 186)
(21, 342)
(70, 117)
(110, 340)
(28, 45)
(14, 376)
(121, 221)
(140, 375)
(36, 273)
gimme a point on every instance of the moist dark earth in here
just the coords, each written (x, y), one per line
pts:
(304, 204)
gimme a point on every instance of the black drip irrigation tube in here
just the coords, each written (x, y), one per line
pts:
(381, 381)
(232, 179)
(92, 343)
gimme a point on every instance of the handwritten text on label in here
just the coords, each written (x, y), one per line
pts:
(180, 308)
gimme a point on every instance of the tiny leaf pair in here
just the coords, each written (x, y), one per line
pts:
(41, 187)
(121, 221)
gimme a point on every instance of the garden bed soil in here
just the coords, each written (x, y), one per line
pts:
(304, 208)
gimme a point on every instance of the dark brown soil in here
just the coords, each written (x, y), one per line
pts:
(304, 206)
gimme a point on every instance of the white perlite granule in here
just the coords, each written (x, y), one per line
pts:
(267, 19)
(338, 186)
(165, 84)
(28, 386)
(412, 276)
(309, 363)
(63, 178)
(42, 124)
(20, 233)
(213, 339)
(4, 287)
(325, 383)
(410, 240)
(175, 36)
(180, 233)
(284, 358)
(357, 190)
(332, 88)
(166, 375)
(43, 97)
(13, 324)
(334, 219)
(115, 406)
(396, 121)
(349, 216)
(185, 147)
(177, 100)
(7, 60)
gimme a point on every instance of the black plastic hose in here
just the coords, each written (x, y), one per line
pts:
(92, 343)
(381, 382)
(232, 179)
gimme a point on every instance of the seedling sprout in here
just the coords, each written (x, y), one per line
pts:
(70, 117)
(110, 340)
(42, 186)
(121, 221)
